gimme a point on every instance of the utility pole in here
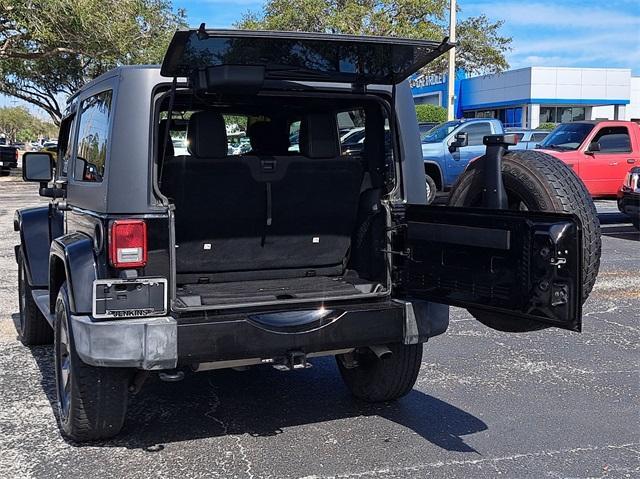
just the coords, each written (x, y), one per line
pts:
(451, 78)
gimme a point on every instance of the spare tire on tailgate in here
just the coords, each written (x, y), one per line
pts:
(537, 181)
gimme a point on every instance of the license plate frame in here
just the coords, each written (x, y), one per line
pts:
(124, 298)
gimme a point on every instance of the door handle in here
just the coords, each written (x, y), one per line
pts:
(614, 163)
(631, 161)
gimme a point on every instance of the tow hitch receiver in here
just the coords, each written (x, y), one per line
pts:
(293, 360)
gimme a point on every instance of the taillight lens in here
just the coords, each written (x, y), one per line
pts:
(128, 243)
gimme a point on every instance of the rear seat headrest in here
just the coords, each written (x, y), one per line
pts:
(319, 136)
(268, 138)
(207, 135)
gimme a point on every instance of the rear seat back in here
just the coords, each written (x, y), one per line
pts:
(275, 215)
(315, 205)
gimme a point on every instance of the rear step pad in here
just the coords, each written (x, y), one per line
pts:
(274, 290)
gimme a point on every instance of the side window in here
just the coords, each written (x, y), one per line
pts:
(65, 146)
(93, 137)
(613, 139)
(476, 132)
(537, 137)
(238, 143)
(294, 136)
(351, 129)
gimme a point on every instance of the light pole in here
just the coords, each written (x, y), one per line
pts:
(451, 78)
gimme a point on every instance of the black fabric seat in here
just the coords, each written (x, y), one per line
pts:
(315, 204)
(262, 216)
(219, 206)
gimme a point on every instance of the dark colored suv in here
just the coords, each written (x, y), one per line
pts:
(146, 260)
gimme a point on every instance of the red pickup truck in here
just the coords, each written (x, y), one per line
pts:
(600, 152)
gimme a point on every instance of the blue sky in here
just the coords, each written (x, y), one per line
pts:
(572, 33)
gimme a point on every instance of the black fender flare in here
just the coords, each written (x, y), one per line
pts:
(74, 254)
(439, 168)
(37, 226)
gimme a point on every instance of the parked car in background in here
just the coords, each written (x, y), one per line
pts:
(8, 159)
(448, 148)
(352, 137)
(629, 196)
(600, 152)
(527, 139)
(352, 143)
(180, 146)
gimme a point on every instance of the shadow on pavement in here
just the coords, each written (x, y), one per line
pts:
(618, 225)
(264, 402)
(613, 218)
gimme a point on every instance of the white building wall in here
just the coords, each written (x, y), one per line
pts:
(603, 111)
(633, 108)
(555, 86)
(533, 116)
(582, 84)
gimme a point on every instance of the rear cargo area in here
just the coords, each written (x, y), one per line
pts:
(289, 218)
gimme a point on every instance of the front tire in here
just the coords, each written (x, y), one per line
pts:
(33, 329)
(431, 189)
(377, 380)
(92, 401)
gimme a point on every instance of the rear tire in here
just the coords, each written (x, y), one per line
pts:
(33, 329)
(376, 380)
(92, 401)
(537, 181)
(431, 189)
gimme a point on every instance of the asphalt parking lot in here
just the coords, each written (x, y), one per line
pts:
(545, 404)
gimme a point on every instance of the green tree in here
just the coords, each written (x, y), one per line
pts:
(431, 113)
(13, 120)
(481, 47)
(49, 48)
(18, 124)
(546, 126)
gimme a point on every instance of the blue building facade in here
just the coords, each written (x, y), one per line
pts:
(527, 97)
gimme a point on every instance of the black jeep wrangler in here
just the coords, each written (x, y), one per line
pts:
(151, 259)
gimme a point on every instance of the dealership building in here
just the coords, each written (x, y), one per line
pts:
(527, 97)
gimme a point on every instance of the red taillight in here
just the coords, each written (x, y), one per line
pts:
(128, 243)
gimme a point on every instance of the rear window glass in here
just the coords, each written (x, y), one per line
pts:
(323, 58)
(93, 137)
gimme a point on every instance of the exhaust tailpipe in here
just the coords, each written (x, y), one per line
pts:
(381, 351)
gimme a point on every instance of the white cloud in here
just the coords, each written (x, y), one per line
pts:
(573, 33)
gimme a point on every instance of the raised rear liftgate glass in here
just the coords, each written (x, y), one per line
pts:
(302, 56)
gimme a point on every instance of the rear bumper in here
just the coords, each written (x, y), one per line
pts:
(165, 343)
(629, 203)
